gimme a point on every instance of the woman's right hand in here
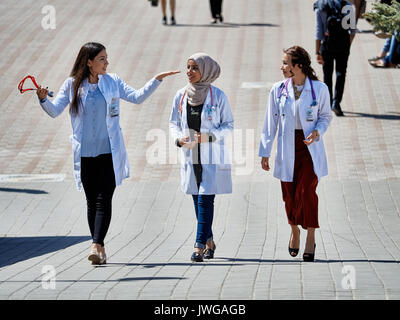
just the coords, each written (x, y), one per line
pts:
(42, 93)
(185, 143)
(320, 60)
(162, 75)
(265, 163)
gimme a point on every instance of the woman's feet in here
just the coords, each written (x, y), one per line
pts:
(380, 63)
(164, 21)
(210, 250)
(218, 17)
(97, 255)
(197, 255)
(294, 242)
(309, 257)
(309, 250)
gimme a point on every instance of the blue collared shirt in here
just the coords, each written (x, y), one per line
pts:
(95, 140)
(321, 18)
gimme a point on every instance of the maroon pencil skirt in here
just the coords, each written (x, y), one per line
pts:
(300, 197)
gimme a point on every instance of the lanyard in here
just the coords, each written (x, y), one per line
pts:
(314, 98)
(284, 86)
(180, 104)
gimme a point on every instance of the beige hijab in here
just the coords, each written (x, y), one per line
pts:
(209, 70)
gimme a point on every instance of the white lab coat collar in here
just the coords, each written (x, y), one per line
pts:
(105, 91)
(207, 102)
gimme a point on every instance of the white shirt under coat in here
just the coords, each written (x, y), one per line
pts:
(215, 160)
(111, 87)
(281, 116)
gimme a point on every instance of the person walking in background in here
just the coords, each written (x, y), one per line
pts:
(216, 11)
(172, 5)
(300, 106)
(360, 7)
(200, 120)
(333, 46)
(100, 157)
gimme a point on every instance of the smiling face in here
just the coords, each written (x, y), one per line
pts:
(193, 72)
(99, 64)
(287, 68)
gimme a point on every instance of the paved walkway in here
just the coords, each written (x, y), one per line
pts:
(43, 229)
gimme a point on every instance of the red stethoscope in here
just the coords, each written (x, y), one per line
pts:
(22, 82)
(183, 96)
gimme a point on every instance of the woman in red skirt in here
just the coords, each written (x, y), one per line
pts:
(299, 110)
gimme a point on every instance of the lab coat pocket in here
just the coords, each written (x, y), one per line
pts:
(282, 106)
(185, 176)
(224, 168)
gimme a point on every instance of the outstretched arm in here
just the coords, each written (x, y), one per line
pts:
(138, 96)
(55, 108)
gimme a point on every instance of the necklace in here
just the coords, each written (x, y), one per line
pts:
(297, 92)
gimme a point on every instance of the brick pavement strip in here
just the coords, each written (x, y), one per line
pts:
(153, 226)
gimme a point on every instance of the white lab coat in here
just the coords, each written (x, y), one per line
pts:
(112, 87)
(215, 160)
(282, 112)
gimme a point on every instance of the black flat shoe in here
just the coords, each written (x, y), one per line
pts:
(209, 253)
(309, 257)
(197, 257)
(338, 111)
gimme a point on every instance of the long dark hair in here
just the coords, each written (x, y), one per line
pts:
(301, 57)
(81, 71)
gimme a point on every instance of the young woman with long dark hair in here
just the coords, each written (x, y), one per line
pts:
(100, 157)
(300, 107)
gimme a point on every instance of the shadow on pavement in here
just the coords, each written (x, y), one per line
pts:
(16, 249)
(31, 191)
(393, 116)
(297, 260)
(235, 262)
(150, 278)
(228, 25)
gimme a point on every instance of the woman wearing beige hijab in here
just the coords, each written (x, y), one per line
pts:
(200, 121)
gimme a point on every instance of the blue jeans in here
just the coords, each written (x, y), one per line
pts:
(393, 55)
(204, 208)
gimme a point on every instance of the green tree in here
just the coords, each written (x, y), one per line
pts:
(385, 18)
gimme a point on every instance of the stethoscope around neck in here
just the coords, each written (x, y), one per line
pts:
(183, 96)
(284, 86)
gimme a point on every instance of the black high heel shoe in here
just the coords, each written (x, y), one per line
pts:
(309, 257)
(293, 252)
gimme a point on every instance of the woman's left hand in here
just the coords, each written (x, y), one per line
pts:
(201, 137)
(162, 75)
(311, 138)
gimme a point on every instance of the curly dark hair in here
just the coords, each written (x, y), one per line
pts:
(301, 57)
